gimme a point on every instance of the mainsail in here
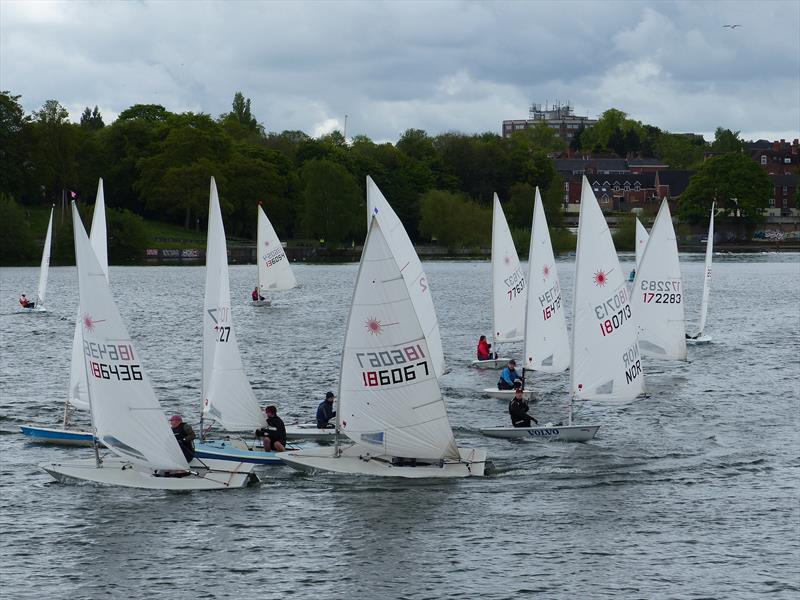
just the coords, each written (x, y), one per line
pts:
(410, 268)
(389, 392)
(641, 241)
(546, 340)
(605, 354)
(45, 267)
(509, 292)
(657, 300)
(125, 413)
(274, 270)
(707, 278)
(77, 395)
(228, 398)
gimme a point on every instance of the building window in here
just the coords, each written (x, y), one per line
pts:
(772, 202)
(785, 203)
(605, 198)
(627, 186)
(636, 186)
(787, 161)
(566, 185)
(763, 159)
(785, 190)
(616, 186)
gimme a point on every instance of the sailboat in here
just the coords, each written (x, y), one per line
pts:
(77, 394)
(411, 270)
(701, 337)
(657, 294)
(605, 364)
(641, 242)
(126, 416)
(274, 270)
(508, 291)
(389, 404)
(228, 399)
(38, 305)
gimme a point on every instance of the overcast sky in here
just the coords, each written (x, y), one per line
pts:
(438, 66)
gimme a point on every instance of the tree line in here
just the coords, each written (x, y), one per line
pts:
(157, 164)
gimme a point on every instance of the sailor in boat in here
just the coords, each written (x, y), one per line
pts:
(518, 409)
(325, 412)
(484, 349)
(25, 303)
(184, 434)
(632, 276)
(508, 376)
(256, 295)
(274, 434)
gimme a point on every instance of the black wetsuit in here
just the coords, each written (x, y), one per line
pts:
(184, 434)
(518, 409)
(275, 429)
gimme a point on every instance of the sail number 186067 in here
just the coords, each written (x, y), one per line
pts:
(402, 365)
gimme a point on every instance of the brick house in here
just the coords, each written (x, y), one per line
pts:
(783, 202)
(776, 158)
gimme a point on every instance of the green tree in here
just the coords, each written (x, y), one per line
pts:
(127, 236)
(13, 150)
(625, 236)
(54, 153)
(726, 141)
(680, 151)
(739, 186)
(145, 112)
(17, 244)
(333, 205)
(519, 208)
(240, 122)
(92, 119)
(454, 221)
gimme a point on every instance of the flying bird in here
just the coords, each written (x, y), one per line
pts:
(733, 26)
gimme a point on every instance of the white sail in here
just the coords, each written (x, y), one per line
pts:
(389, 397)
(707, 278)
(40, 293)
(509, 292)
(274, 270)
(546, 339)
(605, 354)
(641, 241)
(126, 415)
(657, 300)
(411, 268)
(77, 394)
(228, 398)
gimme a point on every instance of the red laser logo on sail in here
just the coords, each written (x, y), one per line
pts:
(89, 323)
(374, 326)
(600, 278)
(546, 270)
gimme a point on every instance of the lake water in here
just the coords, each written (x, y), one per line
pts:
(693, 492)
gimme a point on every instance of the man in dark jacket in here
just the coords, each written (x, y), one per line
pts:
(274, 434)
(518, 409)
(325, 412)
(184, 434)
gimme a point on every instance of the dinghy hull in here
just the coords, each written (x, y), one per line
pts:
(356, 460)
(507, 394)
(699, 341)
(61, 437)
(260, 303)
(310, 431)
(492, 363)
(555, 433)
(236, 451)
(208, 475)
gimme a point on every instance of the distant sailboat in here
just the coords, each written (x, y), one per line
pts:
(126, 416)
(274, 271)
(641, 242)
(390, 404)
(657, 294)
(701, 337)
(509, 292)
(605, 361)
(38, 305)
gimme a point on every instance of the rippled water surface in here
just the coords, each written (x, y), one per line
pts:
(693, 492)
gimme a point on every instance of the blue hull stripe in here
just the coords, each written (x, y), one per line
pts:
(53, 434)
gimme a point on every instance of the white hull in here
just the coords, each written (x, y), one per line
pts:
(572, 433)
(356, 460)
(260, 303)
(506, 394)
(703, 339)
(493, 363)
(210, 475)
(35, 309)
(310, 431)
